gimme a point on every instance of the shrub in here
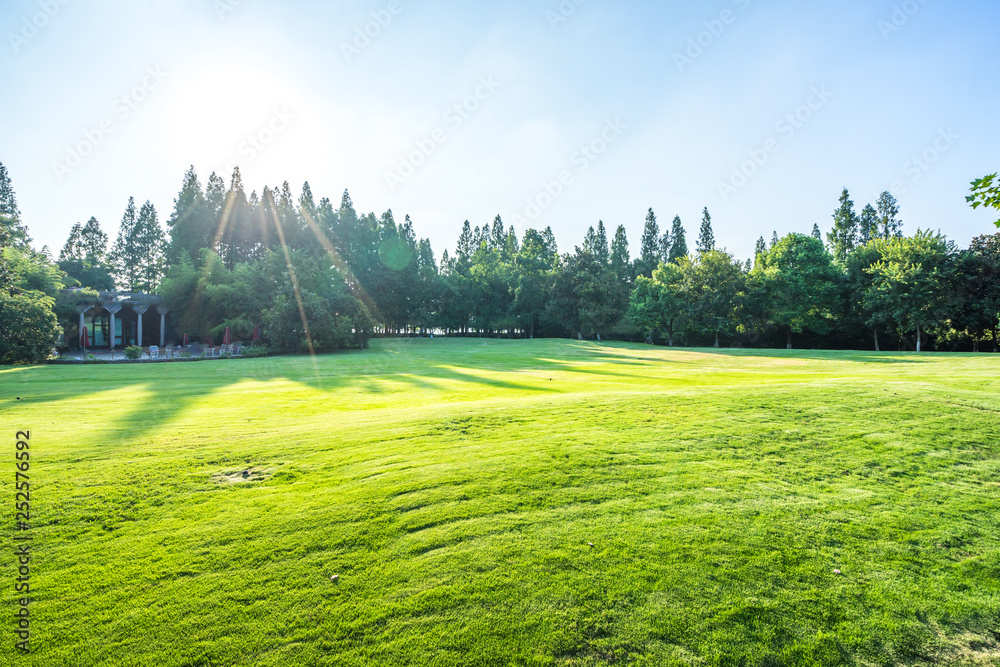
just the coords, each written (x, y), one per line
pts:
(256, 351)
(133, 352)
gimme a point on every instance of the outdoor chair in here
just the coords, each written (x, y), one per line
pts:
(154, 352)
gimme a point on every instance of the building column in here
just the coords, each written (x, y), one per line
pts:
(163, 310)
(140, 311)
(82, 310)
(113, 308)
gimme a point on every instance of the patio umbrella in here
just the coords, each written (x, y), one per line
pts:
(84, 338)
(256, 333)
(186, 343)
(228, 338)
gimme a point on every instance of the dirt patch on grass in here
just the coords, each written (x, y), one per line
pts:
(242, 476)
(971, 650)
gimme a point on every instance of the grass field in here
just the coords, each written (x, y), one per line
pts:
(512, 503)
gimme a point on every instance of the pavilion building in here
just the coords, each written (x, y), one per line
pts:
(115, 320)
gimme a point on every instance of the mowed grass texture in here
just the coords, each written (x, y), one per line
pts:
(512, 503)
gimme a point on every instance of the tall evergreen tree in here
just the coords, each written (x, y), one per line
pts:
(95, 243)
(868, 225)
(890, 226)
(602, 253)
(843, 238)
(125, 259)
(817, 233)
(150, 244)
(706, 237)
(73, 251)
(649, 250)
(189, 225)
(621, 263)
(10, 214)
(760, 249)
(498, 235)
(678, 241)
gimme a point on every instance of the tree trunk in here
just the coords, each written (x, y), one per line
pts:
(670, 343)
(716, 339)
(877, 348)
(789, 338)
(975, 346)
(598, 338)
(918, 338)
(579, 336)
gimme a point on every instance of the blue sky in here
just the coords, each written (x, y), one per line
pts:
(547, 113)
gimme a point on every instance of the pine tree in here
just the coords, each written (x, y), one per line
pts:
(95, 244)
(8, 201)
(602, 253)
(649, 251)
(465, 246)
(843, 238)
(760, 249)
(774, 239)
(678, 237)
(817, 233)
(125, 257)
(666, 243)
(706, 238)
(150, 244)
(620, 262)
(190, 227)
(10, 214)
(890, 226)
(72, 251)
(498, 236)
(868, 227)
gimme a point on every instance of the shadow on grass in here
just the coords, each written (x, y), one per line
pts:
(171, 389)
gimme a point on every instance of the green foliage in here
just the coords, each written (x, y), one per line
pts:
(986, 192)
(978, 278)
(889, 224)
(650, 248)
(913, 282)
(801, 283)
(256, 352)
(706, 237)
(678, 241)
(711, 286)
(844, 236)
(133, 352)
(658, 305)
(29, 329)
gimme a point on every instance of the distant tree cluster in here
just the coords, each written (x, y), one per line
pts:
(29, 284)
(313, 276)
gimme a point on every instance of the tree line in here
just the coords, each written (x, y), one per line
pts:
(318, 276)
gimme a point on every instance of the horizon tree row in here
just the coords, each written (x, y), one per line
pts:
(317, 277)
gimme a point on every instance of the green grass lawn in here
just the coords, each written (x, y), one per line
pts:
(512, 503)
